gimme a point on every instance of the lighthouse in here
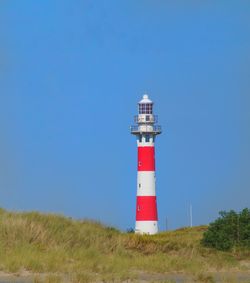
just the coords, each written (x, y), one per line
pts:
(146, 130)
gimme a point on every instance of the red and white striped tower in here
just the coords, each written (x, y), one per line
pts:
(146, 131)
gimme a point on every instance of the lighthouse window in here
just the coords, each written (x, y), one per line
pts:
(147, 138)
(148, 108)
(145, 108)
(142, 108)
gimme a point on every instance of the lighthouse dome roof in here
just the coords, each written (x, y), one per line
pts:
(145, 100)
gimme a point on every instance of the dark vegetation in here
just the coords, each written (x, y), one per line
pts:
(230, 231)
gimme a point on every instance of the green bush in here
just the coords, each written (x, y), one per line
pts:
(230, 230)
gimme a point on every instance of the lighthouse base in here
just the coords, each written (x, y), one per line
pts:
(146, 227)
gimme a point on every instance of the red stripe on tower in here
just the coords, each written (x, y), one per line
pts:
(146, 158)
(146, 208)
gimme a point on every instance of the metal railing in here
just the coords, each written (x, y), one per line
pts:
(148, 118)
(145, 129)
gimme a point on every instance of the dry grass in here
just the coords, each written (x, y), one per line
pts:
(89, 251)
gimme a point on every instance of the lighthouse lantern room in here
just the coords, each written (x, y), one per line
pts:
(146, 129)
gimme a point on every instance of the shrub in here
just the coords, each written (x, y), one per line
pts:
(230, 230)
(130, 230)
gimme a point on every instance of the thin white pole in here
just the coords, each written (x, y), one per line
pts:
(191, 215)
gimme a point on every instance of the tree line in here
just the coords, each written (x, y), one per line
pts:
(230, 230)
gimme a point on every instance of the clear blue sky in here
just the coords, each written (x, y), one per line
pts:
(71, 73)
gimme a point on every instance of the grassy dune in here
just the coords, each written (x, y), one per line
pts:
(86, 251)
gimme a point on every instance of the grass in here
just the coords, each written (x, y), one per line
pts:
(87, 251)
